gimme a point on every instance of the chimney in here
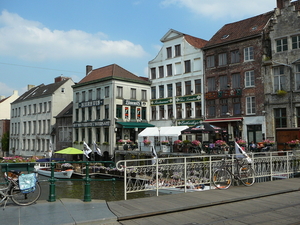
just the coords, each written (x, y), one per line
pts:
(29, 86)
(60, 78)
(88, 69)
(15, 92)
(282, 3)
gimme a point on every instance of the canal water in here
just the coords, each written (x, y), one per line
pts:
(101, 190)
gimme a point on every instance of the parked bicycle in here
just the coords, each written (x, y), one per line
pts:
(241, 170)
(12, 190)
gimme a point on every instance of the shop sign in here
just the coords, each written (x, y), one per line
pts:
(188, 122)
(193, 98)
(131, 102)
(90, 103)
(162, 101)
(101, 123)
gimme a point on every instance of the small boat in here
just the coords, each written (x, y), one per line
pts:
(57, 173)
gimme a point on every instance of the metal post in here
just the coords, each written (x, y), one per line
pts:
(87, 186)
(52, 197)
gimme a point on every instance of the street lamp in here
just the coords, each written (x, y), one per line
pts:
(159, 138)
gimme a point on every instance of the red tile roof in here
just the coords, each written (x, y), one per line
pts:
(196, 42)
(111, 71)
(240, 30)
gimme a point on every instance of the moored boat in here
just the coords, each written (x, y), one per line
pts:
(57, 173)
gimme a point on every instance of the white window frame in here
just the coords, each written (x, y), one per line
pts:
(250, 105)
(222, 59)
(279, 78)
(248, 54)
(249, 78)
(297, 77)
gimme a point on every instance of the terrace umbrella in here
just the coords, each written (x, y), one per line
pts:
(70, 151)
(203, 128)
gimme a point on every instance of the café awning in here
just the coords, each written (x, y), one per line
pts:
(129, 125)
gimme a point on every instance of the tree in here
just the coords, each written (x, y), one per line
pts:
(5, 142)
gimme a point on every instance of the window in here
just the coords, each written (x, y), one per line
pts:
(223, 82)
(248, 54)
(153, 112)
(236, 106)
(222, 59)
(153, 92)
(90, 113)
(198, 111)
(107, 92)
(161, 91)
(170, 90)
(25, 110)
(144, 113)
(133, 112)
(153, 73)
(83, 96)
(179, 111)
(161, 71)
(45, 107)
(235, 56)
(188, 89)
(169, 52)
(281, 45)
(177, 50)
(187, 66)
(133, 93)
(119, 111)
(296, 42)
(249, 79)
(90, 95)
(188, 110)
(236, 80)
(210, 61)
(297, 72)
(106, 112)
(169, 70)
(119, 92)
(98, 93)
(98, 112)
(280, 117)
(298, 116)
(49, 106)
(83, 114)
(40, 107)
(161, 112)
(170, 111)
(279, 78)
(224, 106)
(178, 89)
(211, 84)
(77, 97)
(144, 95)
(250, 105)
(198, 86)
(77, 115)
(211, 110)
(178, 68)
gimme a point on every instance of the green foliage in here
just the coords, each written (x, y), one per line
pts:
(5, 142)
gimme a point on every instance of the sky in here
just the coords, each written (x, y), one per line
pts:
(41, 40)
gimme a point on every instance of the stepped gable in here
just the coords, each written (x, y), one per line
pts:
(240, 30)
(40, 91)
(111, 71)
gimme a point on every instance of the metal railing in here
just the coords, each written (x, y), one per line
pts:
(85, 170)
(186, 173)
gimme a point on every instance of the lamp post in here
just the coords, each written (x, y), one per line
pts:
(159, 139)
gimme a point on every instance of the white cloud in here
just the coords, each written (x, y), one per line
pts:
(6, 90)
(217, 9)
(30, 40)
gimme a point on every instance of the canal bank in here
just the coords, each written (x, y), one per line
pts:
(75, 211)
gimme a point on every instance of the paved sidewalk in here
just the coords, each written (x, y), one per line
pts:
(74, 211)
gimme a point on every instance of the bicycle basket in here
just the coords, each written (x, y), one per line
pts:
(27, 183)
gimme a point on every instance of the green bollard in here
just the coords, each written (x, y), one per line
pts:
(52, 197)
(87, 186)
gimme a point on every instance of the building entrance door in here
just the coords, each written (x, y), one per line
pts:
(254, 133)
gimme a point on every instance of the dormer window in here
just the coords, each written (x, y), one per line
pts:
(225, 36)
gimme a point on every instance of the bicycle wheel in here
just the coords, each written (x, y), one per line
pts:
(247, 175)
(222, 179)
(25, 199)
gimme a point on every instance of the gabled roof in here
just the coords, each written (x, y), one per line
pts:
(240, 30)
(66, 112)
(4, 99)
(112, 71)
(194, 41)
(40, 91)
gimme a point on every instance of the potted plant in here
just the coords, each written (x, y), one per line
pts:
(196, 143)
(165, 142)
(105, 143)
(178, 142)
(18, 163)
(293, 143)
(268, 142)
(220, 143)
(147, 142)
(281, 92)
(242, 142)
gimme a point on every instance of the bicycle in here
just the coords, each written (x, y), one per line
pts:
(13, 192)
(223, 176)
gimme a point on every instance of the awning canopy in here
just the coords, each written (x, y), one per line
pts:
(134, 125)
(231, 119)
(173, 131)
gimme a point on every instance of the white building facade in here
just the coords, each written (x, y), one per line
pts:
(110, 104)
(32, 117)
(177, 76)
